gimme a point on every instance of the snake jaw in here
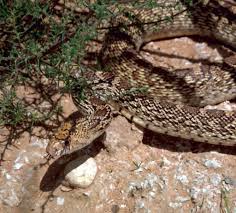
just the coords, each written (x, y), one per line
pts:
(58, 148)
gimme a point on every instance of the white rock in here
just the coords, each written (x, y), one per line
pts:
(194, 192)
(216, 179)
(60, 201)
(175, 205)
(183, 179)
(81, 172)
(212, 164)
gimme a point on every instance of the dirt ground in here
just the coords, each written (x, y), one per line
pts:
(138, 171)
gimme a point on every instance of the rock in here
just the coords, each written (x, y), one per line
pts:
(120, 135)
(65, 188)
(216, 179)
(60, 201)
(212, 164)
(81, 172)
(230, 181)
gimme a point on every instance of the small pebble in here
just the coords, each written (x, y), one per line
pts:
(212, 164)
(183, 179)
(215, 179)
(175, 205)
(230, 181)
(60, 201)
(194, 192)
(65, 189)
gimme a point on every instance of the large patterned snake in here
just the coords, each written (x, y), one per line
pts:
(162, 100)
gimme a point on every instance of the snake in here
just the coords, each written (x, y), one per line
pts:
(159, 99)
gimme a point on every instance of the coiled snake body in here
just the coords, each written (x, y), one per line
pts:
(162, 100)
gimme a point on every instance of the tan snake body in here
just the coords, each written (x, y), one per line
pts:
(170, 100)
(211, 85)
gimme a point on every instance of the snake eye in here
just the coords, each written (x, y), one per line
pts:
(66, 143)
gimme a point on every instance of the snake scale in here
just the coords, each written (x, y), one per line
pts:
(162, 100)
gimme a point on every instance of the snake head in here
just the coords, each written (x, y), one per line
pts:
(79, 131)
(59, 143)
(58, 148)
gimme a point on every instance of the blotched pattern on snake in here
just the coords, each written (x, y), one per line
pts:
(162, 100)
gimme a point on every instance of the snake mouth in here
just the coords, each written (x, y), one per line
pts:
(58, 149)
